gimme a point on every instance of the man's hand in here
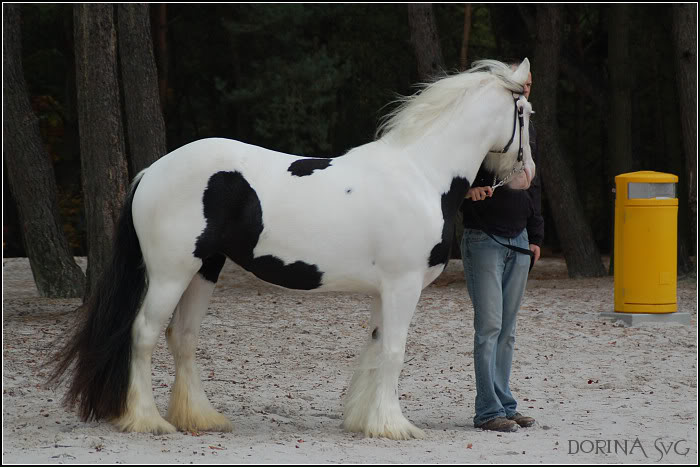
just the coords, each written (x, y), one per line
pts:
(536, 250)
(479, 193)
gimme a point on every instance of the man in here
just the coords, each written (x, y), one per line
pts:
(496, 278)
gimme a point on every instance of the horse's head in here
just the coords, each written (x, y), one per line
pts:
(467, 114)
(511, 160)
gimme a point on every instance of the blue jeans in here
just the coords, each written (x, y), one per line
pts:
(496, 278)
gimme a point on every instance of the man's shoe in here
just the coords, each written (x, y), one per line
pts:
(499, 424)
(522, 420)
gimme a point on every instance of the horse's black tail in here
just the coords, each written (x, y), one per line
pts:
(101, 345)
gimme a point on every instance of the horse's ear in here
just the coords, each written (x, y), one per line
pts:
(520, 75)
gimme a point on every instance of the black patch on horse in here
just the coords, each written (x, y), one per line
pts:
(451, 201)
(234, 223)
(304, 167)
(211, 267)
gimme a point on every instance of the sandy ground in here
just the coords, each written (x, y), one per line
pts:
(277, 364)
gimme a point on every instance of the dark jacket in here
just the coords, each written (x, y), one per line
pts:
(508, 211)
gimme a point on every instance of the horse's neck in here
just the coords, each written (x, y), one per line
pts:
(455, 151)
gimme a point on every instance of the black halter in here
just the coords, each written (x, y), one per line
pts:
(518, 167)
(517, 117)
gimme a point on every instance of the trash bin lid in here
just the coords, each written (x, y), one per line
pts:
(646, 188)
(646, 176)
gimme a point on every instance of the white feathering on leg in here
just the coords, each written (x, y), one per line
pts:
(372, 404)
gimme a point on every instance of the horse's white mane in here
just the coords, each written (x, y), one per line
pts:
(416, 113)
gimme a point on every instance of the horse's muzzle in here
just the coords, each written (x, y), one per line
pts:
(522, 180)
(529, 174)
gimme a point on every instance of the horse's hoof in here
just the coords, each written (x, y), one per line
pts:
(406, 432)
(400, 431)
(212, 421)
(157, 426)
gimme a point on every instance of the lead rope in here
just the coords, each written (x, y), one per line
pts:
(515, 170)
(517, 249)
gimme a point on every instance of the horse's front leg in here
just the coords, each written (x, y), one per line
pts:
(372, 404)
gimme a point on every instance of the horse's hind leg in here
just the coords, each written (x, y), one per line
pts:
(165, 287)
(372, 404)
(189, 409)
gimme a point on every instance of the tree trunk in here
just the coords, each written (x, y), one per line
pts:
(669, 151)
(574, 232)
(463, 64)
(620, 121)
(144, 118)
(104, 168)
(425, 40)
(162, 54)
(685, 21)
(70, 107)
(31, 177)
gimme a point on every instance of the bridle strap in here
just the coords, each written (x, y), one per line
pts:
(517, 119)
(517, 115)
(521, 120)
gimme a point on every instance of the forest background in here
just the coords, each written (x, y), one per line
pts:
(610, 88)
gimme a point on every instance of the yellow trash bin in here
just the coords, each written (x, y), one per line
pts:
(646, 213)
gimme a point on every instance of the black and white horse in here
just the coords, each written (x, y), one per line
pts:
(377, 220)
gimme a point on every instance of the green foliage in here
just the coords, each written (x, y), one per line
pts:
(289, 89)
(309, 76)
(482, 42)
